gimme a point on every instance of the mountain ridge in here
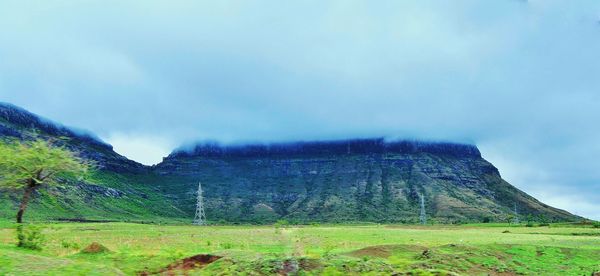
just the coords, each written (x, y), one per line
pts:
(352, 186)
(342, 146)
(115, 190)
(19, 123)
(353, 180)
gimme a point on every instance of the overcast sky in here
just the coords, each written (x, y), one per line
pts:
(521, 79)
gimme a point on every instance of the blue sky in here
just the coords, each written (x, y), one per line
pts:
(518, 78)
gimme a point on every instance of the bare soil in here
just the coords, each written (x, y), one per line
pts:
(184, 265)
(95, 248)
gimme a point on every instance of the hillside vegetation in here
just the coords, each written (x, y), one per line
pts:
(364, 180)
(344, 181)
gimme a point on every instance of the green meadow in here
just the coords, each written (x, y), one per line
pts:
(147, 249)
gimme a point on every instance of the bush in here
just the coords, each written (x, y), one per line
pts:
(70, 245)
(30, 237)
(282, 223)
(596, 224)
(327, 251)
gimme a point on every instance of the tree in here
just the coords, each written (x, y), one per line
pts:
(29, 165)
(510, 218)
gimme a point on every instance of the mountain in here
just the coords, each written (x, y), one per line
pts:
(345, 181)
(361, 180)
(116, 190)
(19, 123)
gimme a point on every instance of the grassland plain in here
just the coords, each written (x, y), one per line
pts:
(490, 249)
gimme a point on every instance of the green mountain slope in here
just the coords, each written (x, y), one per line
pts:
(367, 180)
(117, 190)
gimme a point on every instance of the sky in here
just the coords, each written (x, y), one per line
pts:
(518, 78)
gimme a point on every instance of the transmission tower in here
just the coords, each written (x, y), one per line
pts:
(516, 218)
(423, 216)
(200, 217)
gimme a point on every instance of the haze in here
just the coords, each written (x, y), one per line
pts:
(517, 78)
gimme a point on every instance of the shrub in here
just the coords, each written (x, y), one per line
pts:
(596, 224)
(327, 249)
(30, 237)
(282, 223)
(72, 245)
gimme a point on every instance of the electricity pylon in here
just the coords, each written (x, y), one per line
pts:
(516, 218)
(200, 217)
(423, 216)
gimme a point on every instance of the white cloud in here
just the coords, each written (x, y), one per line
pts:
(517, 77)
(146, 149)
(541, 180)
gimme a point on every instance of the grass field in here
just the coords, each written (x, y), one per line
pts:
(493, 249)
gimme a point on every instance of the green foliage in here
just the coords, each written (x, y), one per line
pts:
(70, 245)
(30, 237)
(37, 162)
(32, 163)
(529, 218)
(227, 245)
(338, 250)
(282, 223)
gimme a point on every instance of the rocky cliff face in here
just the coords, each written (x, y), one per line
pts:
(350, 180)
(336, 181)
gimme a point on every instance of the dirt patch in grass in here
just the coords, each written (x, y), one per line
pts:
(193, 262)
(568, 252)
(183, 265)
(289, 267)
(95, 248)
(309, 264)
(292, 266)
(384, 251)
